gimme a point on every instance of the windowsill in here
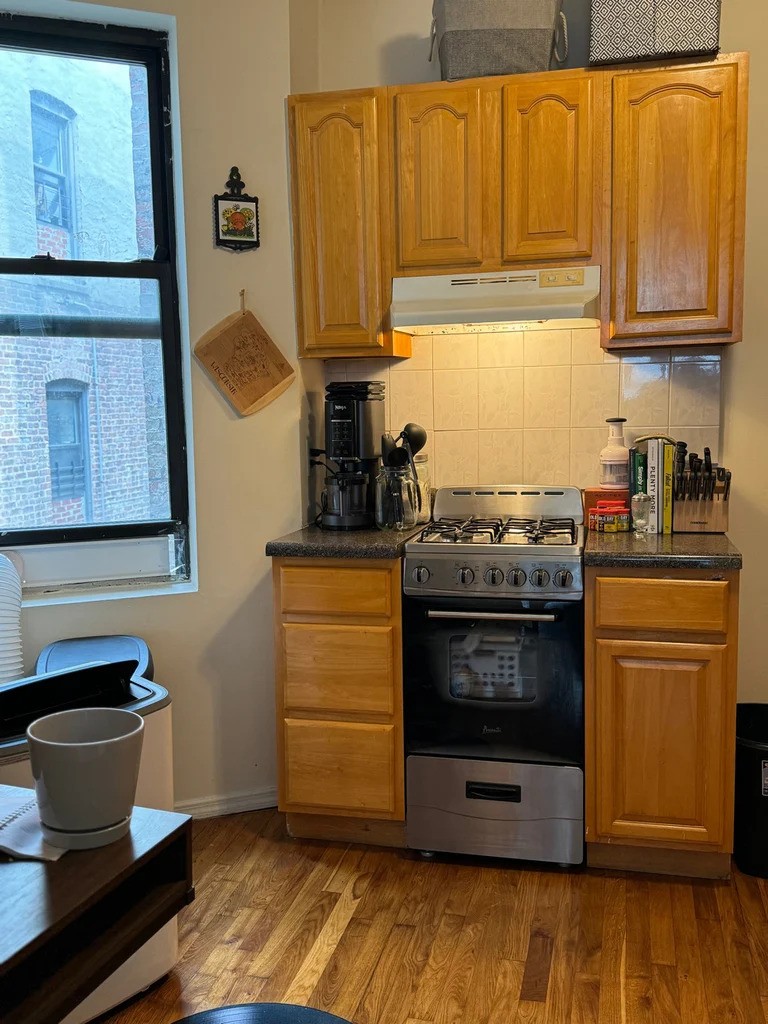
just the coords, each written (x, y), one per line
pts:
(63, 595)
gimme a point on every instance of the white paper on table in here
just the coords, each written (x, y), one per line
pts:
(21, 836)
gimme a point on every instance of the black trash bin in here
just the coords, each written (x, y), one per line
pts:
(750, 848)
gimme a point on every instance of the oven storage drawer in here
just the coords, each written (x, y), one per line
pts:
(495, 808)
(661, 605)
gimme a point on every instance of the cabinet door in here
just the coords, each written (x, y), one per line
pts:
(339, 768)
(674, 201)
(337, 209)
(548, 182)
(663, 747)
(439, 165)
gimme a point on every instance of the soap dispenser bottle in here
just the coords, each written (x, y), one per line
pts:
(614, 458)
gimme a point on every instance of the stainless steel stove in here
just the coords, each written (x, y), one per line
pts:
(496, 541)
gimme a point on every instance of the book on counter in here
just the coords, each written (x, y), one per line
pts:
(654, 474)
(669, 472)
(661, 461)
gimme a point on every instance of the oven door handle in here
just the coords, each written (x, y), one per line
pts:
(495, 616)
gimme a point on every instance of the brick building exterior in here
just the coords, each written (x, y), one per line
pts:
(82, 419)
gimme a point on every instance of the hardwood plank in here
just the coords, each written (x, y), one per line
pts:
(690, 977)
(586, 1000)
(665, 994)
(742, 972)
(662, 932)
(614, 954)
(717, 985)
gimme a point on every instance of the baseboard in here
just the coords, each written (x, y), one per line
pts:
(216, 806)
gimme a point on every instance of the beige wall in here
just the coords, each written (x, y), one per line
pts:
(370, 42)
(214, 649)
(744, 27)
(530, 406)
(365, 42)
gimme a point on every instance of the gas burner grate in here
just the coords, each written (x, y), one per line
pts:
(538, 531)
(462, 531)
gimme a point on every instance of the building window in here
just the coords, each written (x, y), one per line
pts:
(51, 158)
(88, 287)
(66, 406)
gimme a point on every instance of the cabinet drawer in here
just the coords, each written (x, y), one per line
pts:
(339, 668)
(699, 606)
(339, 767)
(336, 590)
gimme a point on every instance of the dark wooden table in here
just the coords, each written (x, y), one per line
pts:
(66, 926)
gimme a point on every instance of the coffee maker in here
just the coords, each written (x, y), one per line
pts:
(354, 423)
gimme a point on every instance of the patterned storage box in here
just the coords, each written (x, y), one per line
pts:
(623, 30)
(475, 38)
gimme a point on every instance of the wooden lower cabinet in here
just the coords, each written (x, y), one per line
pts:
(339, 688)
(661, 744)
(660, 709)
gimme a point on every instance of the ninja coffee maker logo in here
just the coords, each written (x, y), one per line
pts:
(489, 731)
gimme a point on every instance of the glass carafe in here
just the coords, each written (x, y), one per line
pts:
(396, 500)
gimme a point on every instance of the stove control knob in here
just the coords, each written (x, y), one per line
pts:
(516, 577)
(465, 576)
(494, 577)
(421, 574)
(563, 578)
(539, 577)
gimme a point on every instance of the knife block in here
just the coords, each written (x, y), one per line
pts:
(700, 516)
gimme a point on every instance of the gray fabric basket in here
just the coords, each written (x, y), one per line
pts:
(624, 30)
(475, 38)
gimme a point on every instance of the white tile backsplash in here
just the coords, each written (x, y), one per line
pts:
(456, 457)
(547, 348)
(454, 352)
(456, 399)
(500, 457)
(530, 406)
(501, 397)
(547, 397)
(500, 349)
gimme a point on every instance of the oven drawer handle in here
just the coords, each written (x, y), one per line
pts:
(493, 791)
(495, 616)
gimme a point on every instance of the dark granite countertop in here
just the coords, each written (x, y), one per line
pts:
(661, 551)
(312, 542)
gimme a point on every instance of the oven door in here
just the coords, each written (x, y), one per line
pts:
(493, 676)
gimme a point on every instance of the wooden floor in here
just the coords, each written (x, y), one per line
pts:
(383, 937)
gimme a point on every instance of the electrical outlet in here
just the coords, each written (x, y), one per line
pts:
(570, 277)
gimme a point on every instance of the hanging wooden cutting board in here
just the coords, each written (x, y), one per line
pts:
(244, 362)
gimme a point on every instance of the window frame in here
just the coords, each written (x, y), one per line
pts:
(149, 48)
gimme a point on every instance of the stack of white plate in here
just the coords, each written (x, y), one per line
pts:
(11, 657)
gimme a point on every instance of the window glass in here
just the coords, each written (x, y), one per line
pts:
(83, 422)
(75, 173)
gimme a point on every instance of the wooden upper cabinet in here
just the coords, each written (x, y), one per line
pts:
(678, 185)
(548, 179)
(664, 749)
(337, 221)
(439, 177)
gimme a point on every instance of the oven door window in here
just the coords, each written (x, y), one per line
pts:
(486, 664)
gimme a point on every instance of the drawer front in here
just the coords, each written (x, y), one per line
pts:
(338, 590)
(339, 668)
(339, 767)
(698, 606)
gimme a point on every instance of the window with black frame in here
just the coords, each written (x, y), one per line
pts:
(92, 441)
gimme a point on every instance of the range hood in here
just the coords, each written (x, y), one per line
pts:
(474, 303)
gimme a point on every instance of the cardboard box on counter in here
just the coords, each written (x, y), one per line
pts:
(594, 494)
